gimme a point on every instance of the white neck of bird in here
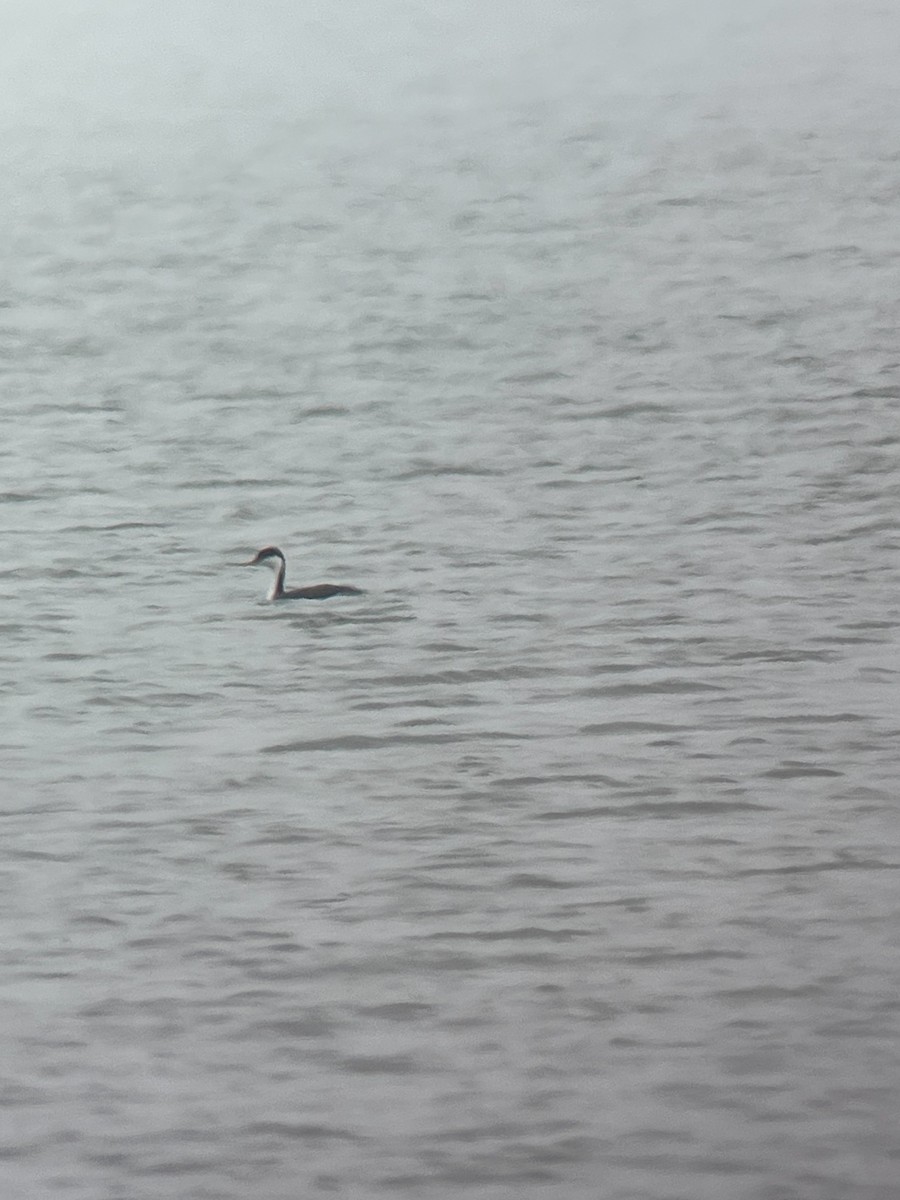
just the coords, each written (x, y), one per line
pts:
(277, 587)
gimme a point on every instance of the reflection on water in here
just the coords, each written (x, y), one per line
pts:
(565, 857)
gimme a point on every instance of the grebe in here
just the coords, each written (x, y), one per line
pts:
(273, 557)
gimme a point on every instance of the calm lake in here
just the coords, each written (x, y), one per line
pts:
(563, 863)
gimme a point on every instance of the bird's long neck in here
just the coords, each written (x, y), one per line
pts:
(277, 588)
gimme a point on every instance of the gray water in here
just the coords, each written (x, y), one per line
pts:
(563, 863)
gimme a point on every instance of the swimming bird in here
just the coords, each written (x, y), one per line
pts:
(272, 556)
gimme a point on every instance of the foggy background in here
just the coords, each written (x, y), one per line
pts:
(563, 862)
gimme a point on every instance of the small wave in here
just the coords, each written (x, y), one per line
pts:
(388, 742)
(614, 727)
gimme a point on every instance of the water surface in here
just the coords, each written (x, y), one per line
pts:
(564, 862)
